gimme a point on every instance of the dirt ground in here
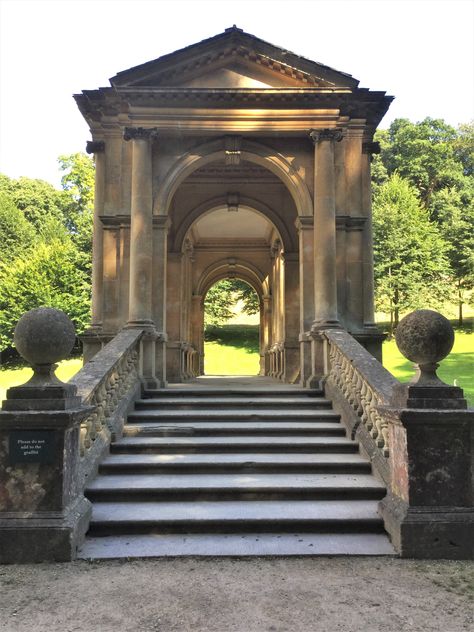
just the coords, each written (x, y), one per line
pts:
(239, 595)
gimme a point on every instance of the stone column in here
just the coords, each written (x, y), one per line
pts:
(370, 337)
(173, 305)
(325, 284)
(325, 268)
(266, 324)
(354, 253)
(197, 328)
(368, 249)
(159, 270)
(141, 231)
(304, 226)
(141, 254)
(91, 339)
(292, 315)
(98, 149)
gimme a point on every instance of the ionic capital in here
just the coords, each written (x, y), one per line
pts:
(138, 133)
(95, 146)
(318, 135)
(372, 147)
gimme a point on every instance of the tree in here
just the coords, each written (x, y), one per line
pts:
(16, 233)
(411, 267)
(36, 199)
(423, 153)
(438, 160)
(454, 210)
(46, 275)
(223, 296)
(464, 147)
(78, 182)
(46, 238)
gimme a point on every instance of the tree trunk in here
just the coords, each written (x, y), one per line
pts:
(460, 303)
(396, 308)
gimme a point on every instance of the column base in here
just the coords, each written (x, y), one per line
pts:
(371, 339)
(93, 340)
(305, 358)
(44, 536)
(429, 532)
(319, 325)
(140, 324)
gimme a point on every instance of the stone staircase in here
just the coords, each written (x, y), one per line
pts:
(203, 471)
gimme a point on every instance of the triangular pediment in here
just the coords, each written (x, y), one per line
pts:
(234, 75)
(233, 59)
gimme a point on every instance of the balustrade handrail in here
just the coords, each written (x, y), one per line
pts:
(373, 372)
(359, 385)
(93, 374)
(110, 382)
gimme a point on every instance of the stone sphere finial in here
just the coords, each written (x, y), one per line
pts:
(44, 336)
(425, 337)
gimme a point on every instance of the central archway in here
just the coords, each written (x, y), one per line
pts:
(233, 221)
(232, 315)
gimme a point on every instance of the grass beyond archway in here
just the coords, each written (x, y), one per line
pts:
(232, 350)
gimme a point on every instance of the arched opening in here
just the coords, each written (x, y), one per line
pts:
(232, 221)
(232, 340)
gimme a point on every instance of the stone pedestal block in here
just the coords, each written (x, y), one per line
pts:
(43, 514)
(429, 512)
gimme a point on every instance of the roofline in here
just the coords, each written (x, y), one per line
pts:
(230, 33)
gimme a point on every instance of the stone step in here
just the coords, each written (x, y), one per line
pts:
(279, 390)
(232, 415)
(249, 462)
(202, 428)
(168, 401)
(238, 545)
(230, 486)
(343, 516)
(234, 443)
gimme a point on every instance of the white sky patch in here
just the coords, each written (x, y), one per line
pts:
(420, 51)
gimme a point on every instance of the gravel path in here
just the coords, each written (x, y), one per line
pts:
(239, 595)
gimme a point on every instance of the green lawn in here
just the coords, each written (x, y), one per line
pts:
(16, 376)
(233, 350)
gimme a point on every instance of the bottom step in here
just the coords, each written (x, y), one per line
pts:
(235, 545)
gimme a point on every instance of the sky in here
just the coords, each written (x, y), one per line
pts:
(420, 51)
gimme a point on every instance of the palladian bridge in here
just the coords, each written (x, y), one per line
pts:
(234, 158)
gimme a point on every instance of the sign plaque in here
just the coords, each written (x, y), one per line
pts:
(32, 446)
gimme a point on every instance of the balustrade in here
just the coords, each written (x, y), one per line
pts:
(110, 382)
(359, 384)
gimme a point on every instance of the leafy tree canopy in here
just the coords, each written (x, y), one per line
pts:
(16, 233)
(223, 296)
(46, 252)
(438, 161)
(409, 253)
